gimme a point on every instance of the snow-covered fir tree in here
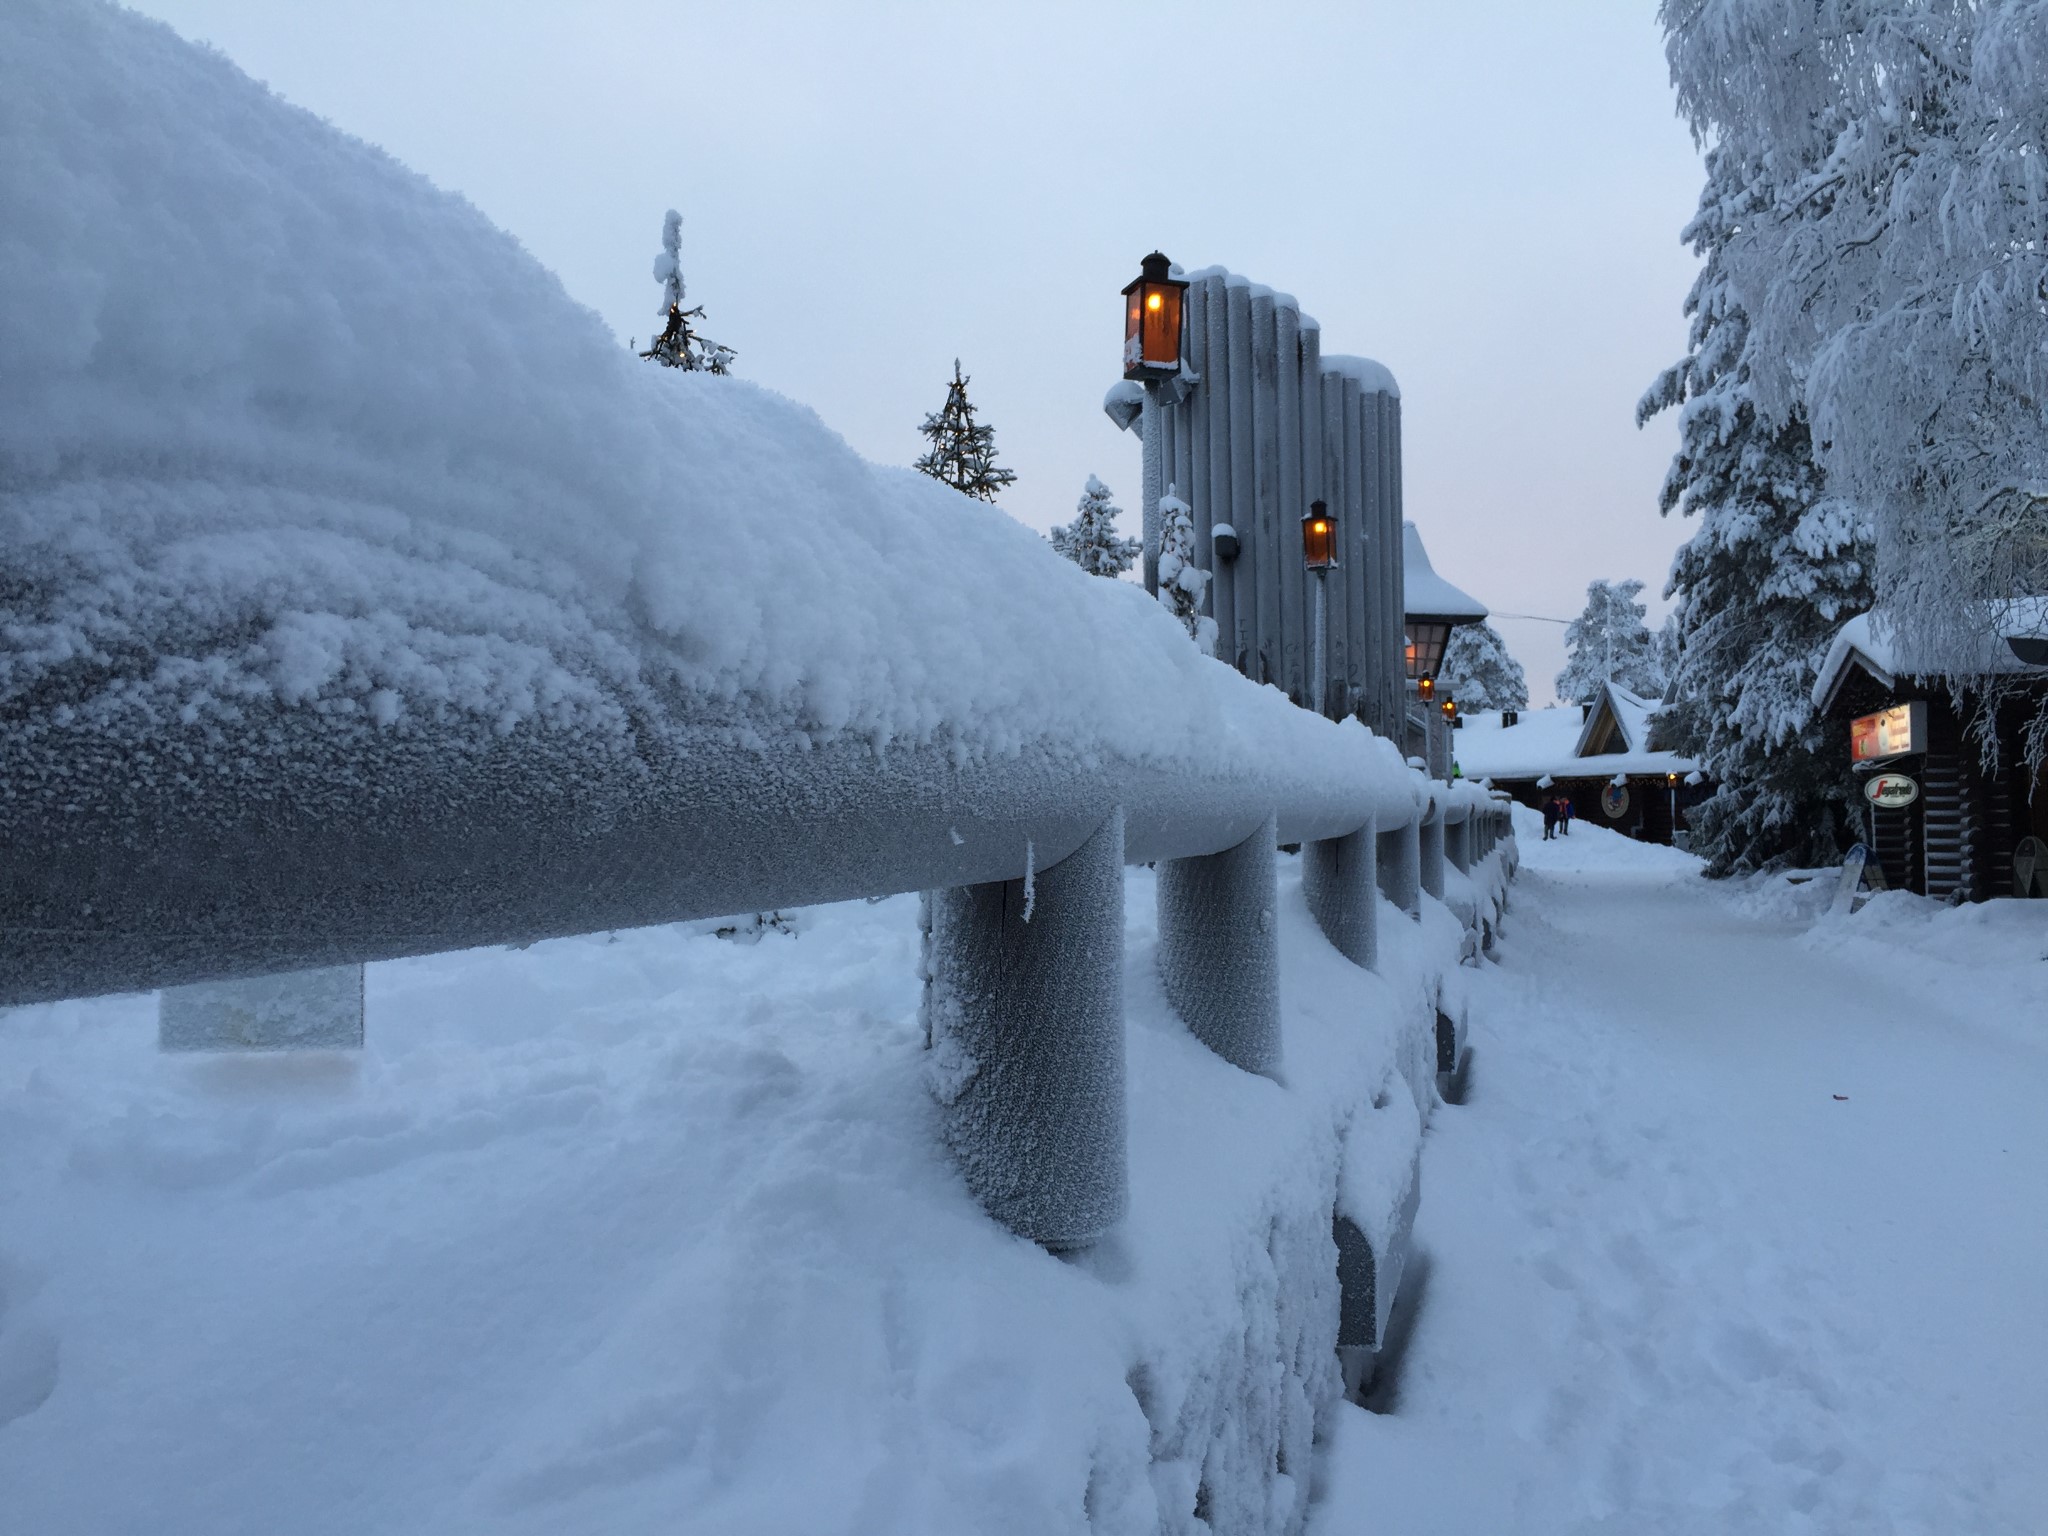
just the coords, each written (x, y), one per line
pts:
(963, 451)
(1609, 642)
(1478, 672)
(1772, 571)
(1091, 540)
(1182, 583)
(1894, 280)
(678, 346)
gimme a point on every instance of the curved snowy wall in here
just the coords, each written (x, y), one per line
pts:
(352, 565)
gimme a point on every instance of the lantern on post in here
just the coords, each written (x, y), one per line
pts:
(1319, 554)
(1425, 688)
(1152, 308)
(1318, 537)
(1450, 709)
(1152, 311)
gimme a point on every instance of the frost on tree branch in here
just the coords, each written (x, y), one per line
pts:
(1896, 280)
(678, 346)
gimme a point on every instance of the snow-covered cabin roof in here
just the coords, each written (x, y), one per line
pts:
(1868, 644)
(1427, 595)
(1559, 742)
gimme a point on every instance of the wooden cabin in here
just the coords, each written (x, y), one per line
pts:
(1606, 757)
(1941, 822)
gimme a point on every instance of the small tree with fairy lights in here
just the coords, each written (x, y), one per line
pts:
(962, 452)
(678, 346)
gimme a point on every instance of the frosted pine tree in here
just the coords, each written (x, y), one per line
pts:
(1773, 570)
(1478, 672)
(1609, 642)
(1091, 540)
(1894, 281)
(1181, 582)
(962, 452)
(678, 346)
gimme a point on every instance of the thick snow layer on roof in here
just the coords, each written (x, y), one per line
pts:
(1869, 641)
(1547, 741)
(1426, 594)
(281, 421)
(1374, 378)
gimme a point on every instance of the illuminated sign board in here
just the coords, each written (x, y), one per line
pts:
(1890, 791)
(1890, 732)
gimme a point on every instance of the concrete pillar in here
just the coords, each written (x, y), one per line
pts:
(316, 1010)
(1266, 487)
(1432, 861)
(1241, 649)
(1293, 653)
(1458, 842)
(1400, 865)
(1339, 876)
(1025, 1013)
(1213, 400)
(1219, 950)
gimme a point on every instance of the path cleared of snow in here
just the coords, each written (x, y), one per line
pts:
(1740, 1228)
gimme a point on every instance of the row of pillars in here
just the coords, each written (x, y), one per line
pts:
(1024, 995)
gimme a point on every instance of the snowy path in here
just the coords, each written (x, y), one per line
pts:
(1677, 1285)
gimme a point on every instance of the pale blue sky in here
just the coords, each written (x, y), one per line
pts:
(1486, 197)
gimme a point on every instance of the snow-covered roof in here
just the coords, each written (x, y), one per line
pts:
(1427, 595)
(1868, 643)
(1554, 742)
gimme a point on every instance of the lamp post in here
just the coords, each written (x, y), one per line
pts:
(1152, 341)
(1319, 554)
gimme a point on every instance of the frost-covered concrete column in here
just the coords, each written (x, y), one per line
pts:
(1219, 951)
(1400, 860)
(1458, 843)
(314, 1010)
(1340, 878)
(1152, 428)
(1432, 860)
(1025, 1010)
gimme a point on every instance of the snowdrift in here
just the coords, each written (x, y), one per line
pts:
(332, 528)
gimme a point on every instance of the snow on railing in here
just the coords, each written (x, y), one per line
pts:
(453, 624)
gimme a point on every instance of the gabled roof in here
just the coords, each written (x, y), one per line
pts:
(1616, 709)
(1426, 595)
(1868, 644)
(1557, 743)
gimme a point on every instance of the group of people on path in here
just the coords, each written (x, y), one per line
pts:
(1557, 817)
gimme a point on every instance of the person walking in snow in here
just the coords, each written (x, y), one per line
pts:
(1549, 817)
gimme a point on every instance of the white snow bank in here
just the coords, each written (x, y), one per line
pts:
(280, 421)
(656, 1234)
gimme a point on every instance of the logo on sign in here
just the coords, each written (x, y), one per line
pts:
(1890, 791)
(1614, 801)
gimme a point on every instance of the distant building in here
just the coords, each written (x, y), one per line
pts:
(1604, 757)
(1934, 818)
(1431, 609)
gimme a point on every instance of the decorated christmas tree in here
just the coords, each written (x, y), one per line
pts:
(962, 452)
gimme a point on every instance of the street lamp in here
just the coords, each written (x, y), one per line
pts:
(1318, 537)
(1152, 306)
(1319, 554)
(1152, 313)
